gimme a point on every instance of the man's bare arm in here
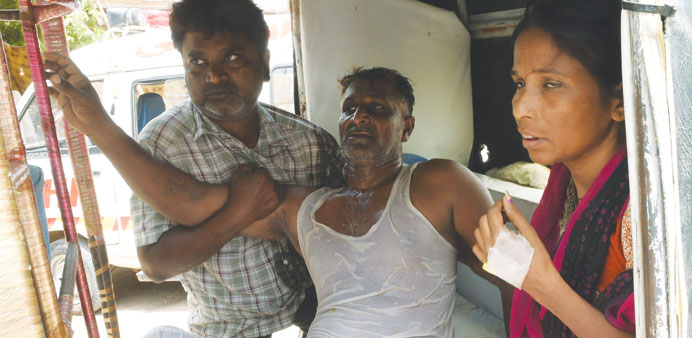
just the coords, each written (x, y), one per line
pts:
(506, 290)
(459, 200)
(175, 194)
(283, 222)
(468, 205)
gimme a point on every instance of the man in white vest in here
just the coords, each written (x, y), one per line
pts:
(383, 250)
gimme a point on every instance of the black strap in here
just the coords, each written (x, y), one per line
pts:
(664, 10)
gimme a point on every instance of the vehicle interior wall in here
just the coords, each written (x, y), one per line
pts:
(427, 44)
(497, 142)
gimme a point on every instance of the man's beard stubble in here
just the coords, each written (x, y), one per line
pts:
(240, 113)
(233, 107)
(375, 156)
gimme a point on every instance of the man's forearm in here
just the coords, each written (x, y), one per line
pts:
(172, 192)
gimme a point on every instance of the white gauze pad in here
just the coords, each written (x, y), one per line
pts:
(510, 258)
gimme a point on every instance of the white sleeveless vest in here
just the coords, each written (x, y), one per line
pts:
(397, 280)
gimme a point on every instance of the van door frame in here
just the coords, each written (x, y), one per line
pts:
(659, 156)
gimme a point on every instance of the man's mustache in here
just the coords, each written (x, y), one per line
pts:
(363, 130)
(219, 89)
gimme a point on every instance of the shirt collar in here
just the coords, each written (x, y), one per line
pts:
(271, 132)
(203, 125)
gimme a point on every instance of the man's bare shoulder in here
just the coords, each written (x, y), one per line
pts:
(439, 171)
(450, 196)
(442, 177)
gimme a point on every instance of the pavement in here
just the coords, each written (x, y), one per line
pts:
(142, 306)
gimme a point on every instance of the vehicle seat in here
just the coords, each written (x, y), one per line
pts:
(477, 307)
(149, 106)
(409, 158)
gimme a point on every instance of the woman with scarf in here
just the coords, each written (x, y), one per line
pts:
(568, 107)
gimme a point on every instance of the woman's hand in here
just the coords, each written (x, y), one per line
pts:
(541, 270)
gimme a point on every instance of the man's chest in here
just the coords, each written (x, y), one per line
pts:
(353, 213)
(213, 160)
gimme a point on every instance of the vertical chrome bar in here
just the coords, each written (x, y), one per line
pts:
(301, 103)
(654, 182)
(678, 42)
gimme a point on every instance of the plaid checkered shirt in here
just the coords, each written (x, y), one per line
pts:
(251, 287)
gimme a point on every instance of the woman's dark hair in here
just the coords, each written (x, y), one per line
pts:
(588, 30)
(239, 17)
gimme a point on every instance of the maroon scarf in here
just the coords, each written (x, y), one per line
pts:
(581, 252)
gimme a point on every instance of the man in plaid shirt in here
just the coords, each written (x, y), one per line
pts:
(237, 285)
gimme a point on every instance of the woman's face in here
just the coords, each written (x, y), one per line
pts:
(559, 110)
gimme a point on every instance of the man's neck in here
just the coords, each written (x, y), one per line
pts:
(246, 130)
(363, 178)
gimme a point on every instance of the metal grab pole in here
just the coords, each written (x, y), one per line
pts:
(69, 273)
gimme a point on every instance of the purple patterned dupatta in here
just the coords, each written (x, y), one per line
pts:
(581, 253)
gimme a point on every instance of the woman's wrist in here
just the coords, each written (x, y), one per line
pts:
(544, 285)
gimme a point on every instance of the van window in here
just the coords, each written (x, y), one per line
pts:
(153, 97)
(497, 142)
(281, 87)
(30, 122)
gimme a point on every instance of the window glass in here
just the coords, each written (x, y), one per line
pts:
(281, 82)
(154, 97)
(30, 122)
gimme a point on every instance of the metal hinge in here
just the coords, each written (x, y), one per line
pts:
(664, 10)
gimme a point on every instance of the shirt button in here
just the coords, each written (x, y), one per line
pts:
(285, 262)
